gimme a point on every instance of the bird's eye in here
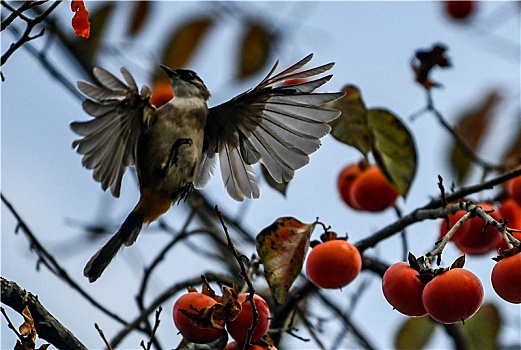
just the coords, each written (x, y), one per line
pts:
(188, 75)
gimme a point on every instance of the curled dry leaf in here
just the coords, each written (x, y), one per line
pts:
(203, 318)
(427, 60)
(458, 263)
(28, 333)
(229, 307)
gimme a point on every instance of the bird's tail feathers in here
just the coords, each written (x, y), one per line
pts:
(126, 235)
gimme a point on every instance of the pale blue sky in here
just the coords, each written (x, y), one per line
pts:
(372, 44)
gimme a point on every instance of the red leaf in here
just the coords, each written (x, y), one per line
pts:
(80, 21)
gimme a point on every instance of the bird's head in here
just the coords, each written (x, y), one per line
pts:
(186, 83)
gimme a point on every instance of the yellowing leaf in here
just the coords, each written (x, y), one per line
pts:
(184, 40)
(282, 247)
(472, 127)
(414, 333)
(255, 49)
(351, 127)
(393, 148)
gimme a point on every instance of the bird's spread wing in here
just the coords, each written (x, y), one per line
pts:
(279, 123)
(120, 113)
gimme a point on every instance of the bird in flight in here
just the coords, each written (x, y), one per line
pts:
(174, 148)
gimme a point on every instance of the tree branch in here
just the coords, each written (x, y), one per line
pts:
(432, 210)
(48, 327)
(48, 261)
(26, 36)
(167, 294)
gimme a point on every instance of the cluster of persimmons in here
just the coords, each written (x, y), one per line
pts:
(414, 288)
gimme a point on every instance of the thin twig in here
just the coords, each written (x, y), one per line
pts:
(311, 329)
(152, 335)
(49, 66)
(167, 294)
(160, 257)
(433, 210)
(48, 261)
(102, 335)
(439, 248)
(364, 341)
(26, 36)
(19, 12)
(11, 325)
(464, 146)
(244, 275)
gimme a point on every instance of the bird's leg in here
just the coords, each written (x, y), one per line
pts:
(184, 192)
(172, 158)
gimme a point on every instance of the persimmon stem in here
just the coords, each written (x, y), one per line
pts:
(439, 248)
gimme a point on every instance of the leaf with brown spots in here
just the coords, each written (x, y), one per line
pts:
(282, 247)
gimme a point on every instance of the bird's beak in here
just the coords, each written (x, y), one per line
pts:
(169, 71)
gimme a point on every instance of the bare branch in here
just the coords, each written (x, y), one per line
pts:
(432, 210)
(167, 294)
(246, 278)
(48, 261)
(26, 36)
(469, 151)
(102, 335)
(48, 327)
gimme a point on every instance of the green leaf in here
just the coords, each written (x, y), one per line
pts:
(351, 127)
(414, 333)
(282, 247)
(279, 187)
(472, 127)
(140, 13)
(393, 148)
(380, 132)
(255, 49)
(184, 40)
(483, 328)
